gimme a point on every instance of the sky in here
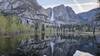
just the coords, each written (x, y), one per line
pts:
(77, 5)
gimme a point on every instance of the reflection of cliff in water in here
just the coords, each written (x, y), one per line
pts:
(63, 46)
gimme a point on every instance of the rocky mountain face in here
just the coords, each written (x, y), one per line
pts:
(63, 14)
(25, 9)
(90, 15)
(49, 12)
(28, 9)
(66, 15)
(18, 6)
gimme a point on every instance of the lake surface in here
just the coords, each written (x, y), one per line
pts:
(32, 45)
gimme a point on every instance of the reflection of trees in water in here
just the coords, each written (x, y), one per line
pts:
(7, 45)
(67, 47)
(43, 30)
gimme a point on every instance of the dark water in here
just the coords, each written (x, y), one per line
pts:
(7, 44)
(33, 46)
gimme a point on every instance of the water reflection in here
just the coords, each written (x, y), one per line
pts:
(63, 45)
(7, 45)
(39, 45)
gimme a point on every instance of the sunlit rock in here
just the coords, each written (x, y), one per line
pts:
(81, 53)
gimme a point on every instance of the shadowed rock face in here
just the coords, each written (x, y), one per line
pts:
(49, 12)
(90, 15)
(12, 4)
(20, 7)
(64, 14)
(60, 13)
(25, 9)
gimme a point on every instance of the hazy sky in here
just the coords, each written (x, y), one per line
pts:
(77, 5)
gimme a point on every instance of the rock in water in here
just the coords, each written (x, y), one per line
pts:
(44, 55)
(80, 53)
